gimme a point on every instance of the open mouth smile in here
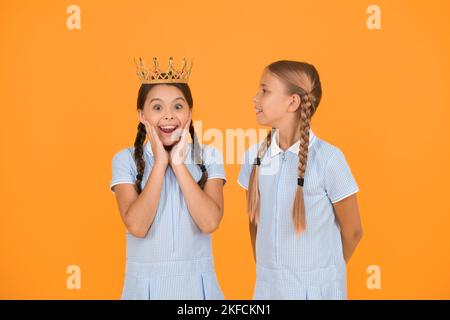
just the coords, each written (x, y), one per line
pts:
(167, 130)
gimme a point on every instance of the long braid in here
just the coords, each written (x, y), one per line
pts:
(253, 189)
(298, 210)
(138, 155)
(198, 158)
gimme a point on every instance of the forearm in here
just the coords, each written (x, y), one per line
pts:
(204, 211)
(349, 244)
(141, 213)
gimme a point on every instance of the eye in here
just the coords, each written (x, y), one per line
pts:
(178, 106)
(157, 107)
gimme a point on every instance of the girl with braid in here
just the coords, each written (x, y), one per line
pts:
(169, 193)
(301, 195)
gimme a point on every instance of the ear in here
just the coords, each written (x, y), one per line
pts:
(294, 105)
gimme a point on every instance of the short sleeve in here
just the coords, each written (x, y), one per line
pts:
(339, 181)
(247, 162)
(123, 168)
(214, 164)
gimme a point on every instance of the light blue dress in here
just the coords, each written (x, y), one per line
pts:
(174, 260)
(310, 265)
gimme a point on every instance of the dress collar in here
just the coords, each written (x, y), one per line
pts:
(275, 148)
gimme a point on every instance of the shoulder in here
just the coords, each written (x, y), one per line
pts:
(325, 150)
(250, 154)
(212, 154)
(124, 156)
(330, 158)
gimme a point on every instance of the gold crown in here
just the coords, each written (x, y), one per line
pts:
(156, 75)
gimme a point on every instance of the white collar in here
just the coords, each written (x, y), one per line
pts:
(275, 148)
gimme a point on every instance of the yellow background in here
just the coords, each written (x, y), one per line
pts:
(68, 100)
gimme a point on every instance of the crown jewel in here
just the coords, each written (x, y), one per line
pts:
(156, 75)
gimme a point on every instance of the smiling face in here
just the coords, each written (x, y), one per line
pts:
(272, 102)
(167, 110)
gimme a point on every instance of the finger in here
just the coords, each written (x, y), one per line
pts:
(155, 135)
(146, 124)
(188, 123)
(186, 129)
(177, 134)
(149, 132)
(182, 135)
(185, 133)
(177, 153)
(151, 135)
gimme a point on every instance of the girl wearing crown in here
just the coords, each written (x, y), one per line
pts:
(169, 193)
(303, 213)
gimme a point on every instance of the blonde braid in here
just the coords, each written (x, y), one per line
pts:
(253, 190)
(298, 211)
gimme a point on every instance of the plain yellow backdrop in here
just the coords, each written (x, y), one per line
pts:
(68, 100)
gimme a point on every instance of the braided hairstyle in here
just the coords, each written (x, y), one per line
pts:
(300, 78)
(253, 190)
(138, 155)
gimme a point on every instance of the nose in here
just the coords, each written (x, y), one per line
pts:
(168, 116)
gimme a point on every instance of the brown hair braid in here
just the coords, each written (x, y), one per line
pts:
(138, 155)
(197, 155)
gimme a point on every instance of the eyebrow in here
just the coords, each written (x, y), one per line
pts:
(158, 99)
(263, 85)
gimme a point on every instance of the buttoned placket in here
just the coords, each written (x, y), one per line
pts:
(177, 208)
(171, 180)
(172, 185)
(281, 172)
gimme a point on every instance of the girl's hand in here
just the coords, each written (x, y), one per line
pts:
(178, 152)
(161, 156)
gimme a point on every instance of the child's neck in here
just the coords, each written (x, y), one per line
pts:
(287, 136)
(168, 148)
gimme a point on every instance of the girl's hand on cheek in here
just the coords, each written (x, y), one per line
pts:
(178, 152)
(160, 154)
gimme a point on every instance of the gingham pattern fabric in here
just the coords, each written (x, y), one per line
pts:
(174, 260)
(310, 265)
